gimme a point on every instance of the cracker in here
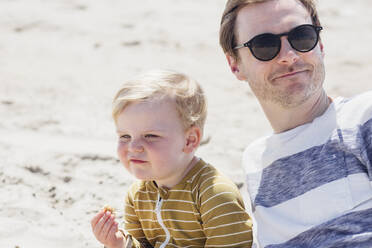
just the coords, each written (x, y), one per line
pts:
(108, 208)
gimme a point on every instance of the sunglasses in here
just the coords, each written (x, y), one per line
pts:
(266, 46)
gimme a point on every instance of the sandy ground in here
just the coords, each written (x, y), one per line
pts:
(62, 61)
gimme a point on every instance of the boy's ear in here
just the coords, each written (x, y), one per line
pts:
(193, 136)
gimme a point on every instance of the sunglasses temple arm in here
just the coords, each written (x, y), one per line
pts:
(239, 46)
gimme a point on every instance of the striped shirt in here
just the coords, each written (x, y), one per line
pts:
(312, 186)
(204, 210)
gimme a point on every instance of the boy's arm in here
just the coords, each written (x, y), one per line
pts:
(132, 225)
(225, 221)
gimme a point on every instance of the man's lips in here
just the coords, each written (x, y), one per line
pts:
(289, 74)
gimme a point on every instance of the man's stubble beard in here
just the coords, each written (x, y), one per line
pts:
(290, 97)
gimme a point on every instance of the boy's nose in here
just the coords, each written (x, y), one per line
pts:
(136, 146)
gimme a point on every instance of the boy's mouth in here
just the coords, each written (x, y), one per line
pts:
(137, 161)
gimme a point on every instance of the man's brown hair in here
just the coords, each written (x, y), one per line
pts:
(228, 20)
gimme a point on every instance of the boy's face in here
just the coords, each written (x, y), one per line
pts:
(152, 141)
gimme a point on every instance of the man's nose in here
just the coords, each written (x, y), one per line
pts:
(287, 55)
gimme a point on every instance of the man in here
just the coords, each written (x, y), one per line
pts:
(310, 182)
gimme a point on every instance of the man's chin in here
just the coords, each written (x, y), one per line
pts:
(289, 101)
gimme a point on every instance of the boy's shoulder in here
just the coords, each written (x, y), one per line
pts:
(209, 176)
(210, 185)
(139, 188)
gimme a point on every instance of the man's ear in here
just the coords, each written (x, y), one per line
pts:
(233, 63)
(321, 48)
(193, 137)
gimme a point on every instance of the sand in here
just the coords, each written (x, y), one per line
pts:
(62, 61)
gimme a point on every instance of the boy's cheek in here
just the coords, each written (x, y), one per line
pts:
(121, 148)
(122, 152)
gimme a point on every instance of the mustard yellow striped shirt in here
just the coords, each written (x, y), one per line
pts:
(204, 210)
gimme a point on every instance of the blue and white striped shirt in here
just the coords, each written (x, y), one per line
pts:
(312, 186)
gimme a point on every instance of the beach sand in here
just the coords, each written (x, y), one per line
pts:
(60, 65)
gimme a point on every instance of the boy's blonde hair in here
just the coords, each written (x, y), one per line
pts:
(187, 93)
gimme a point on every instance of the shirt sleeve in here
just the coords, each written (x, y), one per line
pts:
(225, 221)
(132, 224)
(367, 136)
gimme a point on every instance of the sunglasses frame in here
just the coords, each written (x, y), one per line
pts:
(248, 44)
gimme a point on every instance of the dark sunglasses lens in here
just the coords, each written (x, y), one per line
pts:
(303, 38)
(265, 47)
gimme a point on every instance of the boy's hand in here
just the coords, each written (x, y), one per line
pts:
(105, 228)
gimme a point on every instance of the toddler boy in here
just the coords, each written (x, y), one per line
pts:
(179, 200)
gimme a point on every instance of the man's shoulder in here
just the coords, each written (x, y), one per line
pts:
(258, 144)
(363, 99)
(355, 110)
(253, 154)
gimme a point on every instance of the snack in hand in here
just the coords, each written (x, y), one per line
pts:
(108, 208)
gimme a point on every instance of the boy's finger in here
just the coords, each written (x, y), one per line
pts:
(96, 218)
(108, 227)
(101, 222)
(113, 230)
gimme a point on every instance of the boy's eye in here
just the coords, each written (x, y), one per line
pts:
(151, 136)
(125, 137)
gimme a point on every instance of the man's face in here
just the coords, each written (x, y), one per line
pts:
(291, 77)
